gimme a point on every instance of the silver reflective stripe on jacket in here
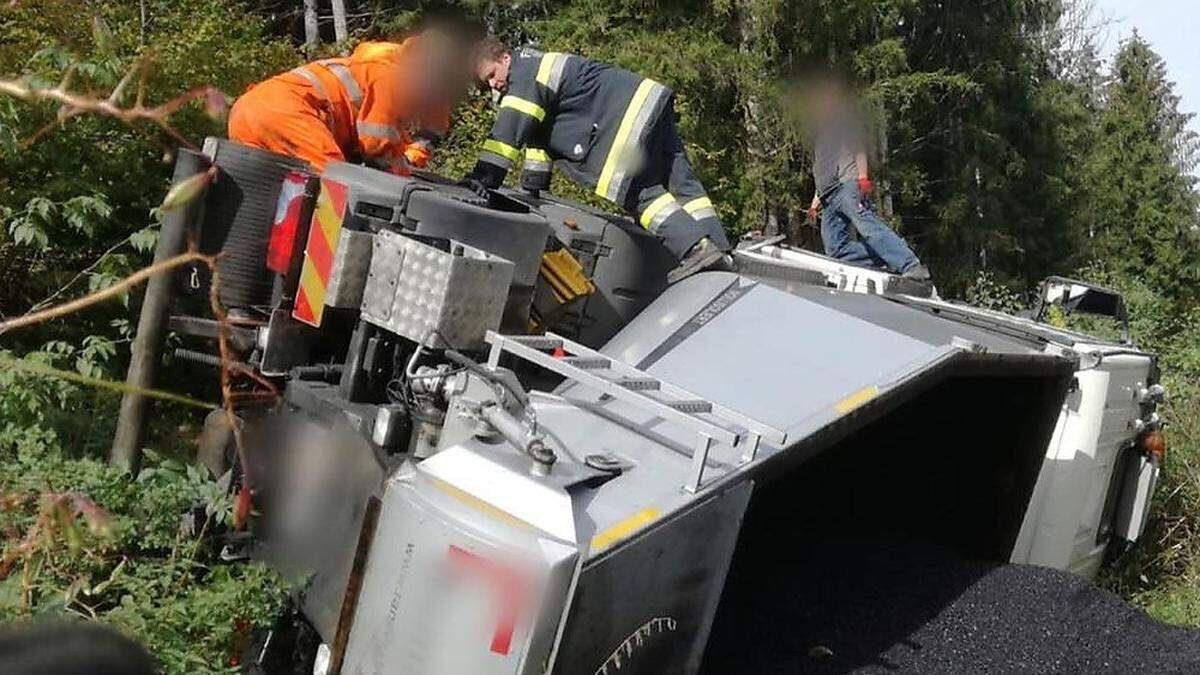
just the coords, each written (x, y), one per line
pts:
(344, 75)
(315, 81)
(378, 130)
(659, 210)
(550, 70)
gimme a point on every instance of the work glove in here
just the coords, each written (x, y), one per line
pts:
(484, 177)
(866, 187)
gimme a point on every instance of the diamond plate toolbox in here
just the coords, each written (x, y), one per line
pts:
(413, 287)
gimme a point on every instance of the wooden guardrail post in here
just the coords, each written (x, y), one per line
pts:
(146, 350)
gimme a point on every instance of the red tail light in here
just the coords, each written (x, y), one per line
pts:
(287, 222)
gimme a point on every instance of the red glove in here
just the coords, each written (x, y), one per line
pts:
(865, 187)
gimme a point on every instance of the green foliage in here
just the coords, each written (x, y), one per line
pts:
(149, 571)
(1143, 207)
(73, 190)
(988, 293)
(76, 200)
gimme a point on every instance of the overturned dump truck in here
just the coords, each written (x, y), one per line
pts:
(505, 446)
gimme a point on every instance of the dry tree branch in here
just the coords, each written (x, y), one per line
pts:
(82, 273)
(231, 369)
(116, 289)
(73, 104)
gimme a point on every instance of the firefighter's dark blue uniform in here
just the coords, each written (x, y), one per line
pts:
(608, 129)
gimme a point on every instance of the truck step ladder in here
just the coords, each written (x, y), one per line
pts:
(619, 380)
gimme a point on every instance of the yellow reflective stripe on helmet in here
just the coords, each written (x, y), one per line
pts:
(618, 146)
(528, 107)
(536, 155)
(664, 200)
(697, 204)
(503, 149)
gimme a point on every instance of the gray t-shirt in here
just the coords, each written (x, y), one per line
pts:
(836, 143)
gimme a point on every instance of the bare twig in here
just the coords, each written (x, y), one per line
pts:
(82, 273)
(116, 289)
(74, 104)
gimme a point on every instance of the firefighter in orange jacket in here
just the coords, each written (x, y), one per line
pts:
(386, 105)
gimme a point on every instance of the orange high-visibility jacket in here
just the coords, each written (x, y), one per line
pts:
(347, 109)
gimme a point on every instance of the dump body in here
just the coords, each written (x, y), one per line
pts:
(1096, 483)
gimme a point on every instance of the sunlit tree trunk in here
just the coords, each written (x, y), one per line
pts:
(339, 20)
(312, 34)
(753, 31)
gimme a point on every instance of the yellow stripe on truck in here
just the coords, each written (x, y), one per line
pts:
(624, 529)
(856, 400)
(330, 222)
(314, 289)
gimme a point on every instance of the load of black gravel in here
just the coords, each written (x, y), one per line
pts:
(874, 604)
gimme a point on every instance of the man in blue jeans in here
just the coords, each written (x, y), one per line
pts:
(844, 188)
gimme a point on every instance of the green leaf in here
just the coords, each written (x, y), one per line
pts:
(144, 239)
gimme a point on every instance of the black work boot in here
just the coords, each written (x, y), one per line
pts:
(704, 256)
(917, 272)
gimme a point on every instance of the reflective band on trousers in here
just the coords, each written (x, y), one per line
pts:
(528, 107)
(378, 130)
(701, 208)
(536, 160)
(499, 153)
(550, 70)
(658, 211)
(623, 155)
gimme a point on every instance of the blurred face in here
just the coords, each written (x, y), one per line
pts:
(493, 72)
(441, 73)
(825, 100)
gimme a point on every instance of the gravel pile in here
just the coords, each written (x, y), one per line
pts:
(875, 606)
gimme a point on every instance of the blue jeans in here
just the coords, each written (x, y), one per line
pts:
(843, 210)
